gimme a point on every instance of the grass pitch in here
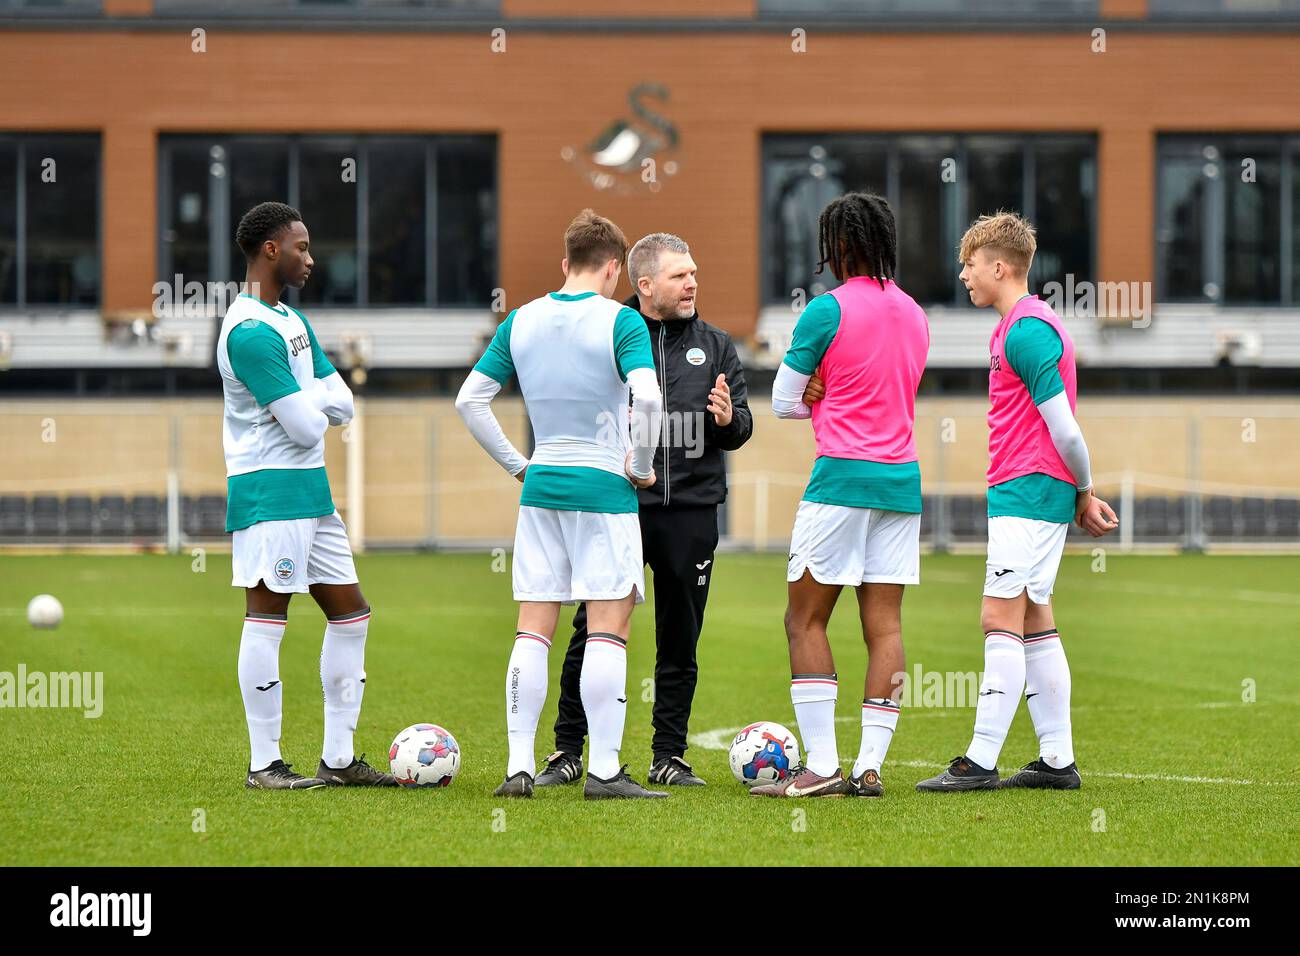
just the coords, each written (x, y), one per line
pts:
(1177, 768)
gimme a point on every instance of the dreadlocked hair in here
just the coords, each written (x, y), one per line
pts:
(857, 237)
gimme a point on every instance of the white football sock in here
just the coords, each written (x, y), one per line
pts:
(813, 696)
(259, 682)
(879, 718)
(526, 679)
(343, 678)
(603, 686)
(1047, 692)
(1004, 681)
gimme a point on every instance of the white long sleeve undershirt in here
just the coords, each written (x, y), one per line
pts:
(787, 393)
(647, 419)
(300, 418)
(1068, 439)
(474, 403)
(333, 397)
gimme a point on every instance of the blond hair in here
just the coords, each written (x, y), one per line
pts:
(1006, 235)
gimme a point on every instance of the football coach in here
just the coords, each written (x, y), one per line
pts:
(706, 412)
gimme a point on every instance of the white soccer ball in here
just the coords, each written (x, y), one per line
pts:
(424, 755)
(763, 753)
(44, 611)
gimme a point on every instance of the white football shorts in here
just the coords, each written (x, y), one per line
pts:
(1024, 555)
(852, 546)
(294, 554)
(572, 556)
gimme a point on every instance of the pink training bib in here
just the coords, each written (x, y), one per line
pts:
(1019, 442)
(872, 369)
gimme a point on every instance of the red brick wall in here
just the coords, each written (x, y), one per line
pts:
(552, 90)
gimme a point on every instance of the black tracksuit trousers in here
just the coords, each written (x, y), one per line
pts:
(678, 545)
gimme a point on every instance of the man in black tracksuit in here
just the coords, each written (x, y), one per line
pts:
(706, 412)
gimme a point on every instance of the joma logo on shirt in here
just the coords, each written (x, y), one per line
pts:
(297, 344)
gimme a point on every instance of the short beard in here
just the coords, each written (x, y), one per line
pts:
(669, 310)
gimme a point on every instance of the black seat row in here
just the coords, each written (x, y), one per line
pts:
(109, 517)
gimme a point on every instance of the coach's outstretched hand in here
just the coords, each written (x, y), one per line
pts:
(814, 391)
(639, 482)
(1093, 515)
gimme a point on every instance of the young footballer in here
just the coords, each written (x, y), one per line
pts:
(576, 353)
(859, 522)
(281, 393)
(1039, 480)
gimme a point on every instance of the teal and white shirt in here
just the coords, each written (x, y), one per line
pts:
(572, 355)
(265, 353)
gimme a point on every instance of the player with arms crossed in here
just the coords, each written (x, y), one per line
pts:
(1039, 480)
(576, 353)
(859, 523)
(281, 393)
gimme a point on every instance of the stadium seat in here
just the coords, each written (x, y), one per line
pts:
(111, 516)
(190, 515)
(1286, 518)
(78, 516)
(148, 516)
(13, 516)
(927, 515)
(968, 516)
(1152, 518)
(1177, 517)
(212, 516)
(1218, 517)
(1254, 517)
(47, 516)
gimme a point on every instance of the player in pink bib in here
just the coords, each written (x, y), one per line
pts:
(1039, 480)
(856, 358)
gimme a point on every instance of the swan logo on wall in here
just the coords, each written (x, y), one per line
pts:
(630, 153)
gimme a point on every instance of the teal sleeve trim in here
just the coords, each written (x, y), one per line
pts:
(497, 363)
(631, 342)
(813, 334)
(259, 359)
(1034, 350)
(321, 366)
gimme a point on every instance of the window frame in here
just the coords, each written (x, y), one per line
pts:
(1214, 210)
(22, 140)
(221, 227)
(892, 141)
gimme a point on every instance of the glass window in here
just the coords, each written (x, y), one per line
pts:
(1252, 224)
(188, 220)
(257, 172)
(800, 182)
(1222, 208)
(328, 177)
(1181, 191)
(61, 192)
(375, 206)
(8, 224)
(397, 222)
(1065, 195)
(936, 185)
(1295, 223)
(466, 203)
(995, 171)
(927, 246)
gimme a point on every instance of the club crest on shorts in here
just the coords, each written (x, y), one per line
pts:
(695, 356)
(284, 569)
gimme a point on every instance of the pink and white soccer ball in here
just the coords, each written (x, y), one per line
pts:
(763, 753)
(424, 755)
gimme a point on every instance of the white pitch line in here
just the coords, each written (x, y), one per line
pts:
(720, 739)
